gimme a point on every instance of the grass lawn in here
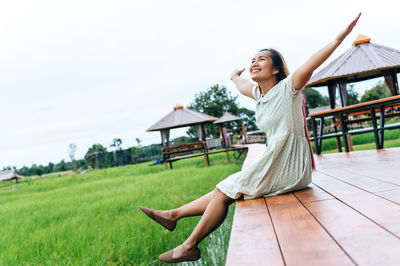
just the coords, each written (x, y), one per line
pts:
(94, 218)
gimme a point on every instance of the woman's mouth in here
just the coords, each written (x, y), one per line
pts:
(255, 70)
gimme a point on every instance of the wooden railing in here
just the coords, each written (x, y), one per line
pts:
(375, 109)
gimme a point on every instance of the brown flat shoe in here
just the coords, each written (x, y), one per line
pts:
(168, 224)
(167, 256)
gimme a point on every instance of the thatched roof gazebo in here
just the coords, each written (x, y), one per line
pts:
(10, 175)
(364, 60)
(181, 117)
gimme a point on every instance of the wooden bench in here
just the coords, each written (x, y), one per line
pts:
(168, 152)
(347, 216)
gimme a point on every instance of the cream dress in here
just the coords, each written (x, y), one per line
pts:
(286, 162)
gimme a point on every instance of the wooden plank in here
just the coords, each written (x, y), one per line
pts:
(361, 181)
(382, 211)
(393, 195)
(312, 193)
(252, 240)
(363, 240)
(379, 171)
(302, 239)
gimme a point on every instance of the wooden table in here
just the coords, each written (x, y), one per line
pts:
(349, 215)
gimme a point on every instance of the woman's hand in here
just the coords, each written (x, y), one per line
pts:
(236, 73)
(303, 73)
(244, 86)
(342, 35)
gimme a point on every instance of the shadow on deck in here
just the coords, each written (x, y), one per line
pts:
(349, 215)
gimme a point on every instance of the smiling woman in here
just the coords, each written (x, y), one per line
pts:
(287, 163)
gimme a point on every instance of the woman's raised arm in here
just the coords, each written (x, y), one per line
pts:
(303, 73)
(243, 85)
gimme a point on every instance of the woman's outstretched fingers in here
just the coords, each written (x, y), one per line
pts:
(237, 72)
(348, 29)
(354, 22)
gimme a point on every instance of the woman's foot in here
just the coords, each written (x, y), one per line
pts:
(164, 214)
(181, 253)
(160, 217)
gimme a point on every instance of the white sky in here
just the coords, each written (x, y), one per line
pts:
(86, 72)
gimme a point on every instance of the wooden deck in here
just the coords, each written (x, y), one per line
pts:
(349, 215)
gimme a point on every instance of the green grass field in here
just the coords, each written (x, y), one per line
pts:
(94, 218)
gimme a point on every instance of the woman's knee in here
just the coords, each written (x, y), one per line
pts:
(222, 196)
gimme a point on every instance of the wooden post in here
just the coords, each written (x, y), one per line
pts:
(244, 134)
(206, 161)
(339, 144)
(349, 142)
(343, 91)
(376, 136)
(332, 93)
(221, 137)
(391, 82)
(205, 151)
(344, 132)
(227, 156)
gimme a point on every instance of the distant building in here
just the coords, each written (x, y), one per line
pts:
(10, 175)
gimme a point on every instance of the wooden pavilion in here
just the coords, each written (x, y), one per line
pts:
(363, 61)
(10, 175)
(181, 117)
(226, 118)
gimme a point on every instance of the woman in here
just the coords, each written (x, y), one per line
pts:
(287, 162)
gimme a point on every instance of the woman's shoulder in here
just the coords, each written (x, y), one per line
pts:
(287, 84)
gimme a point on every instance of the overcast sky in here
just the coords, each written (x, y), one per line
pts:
(86, 72)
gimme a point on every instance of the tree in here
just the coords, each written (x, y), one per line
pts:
(182, 140)
(139, 142)
(248, 118)
(314, 98)
(89, 158)
(71, 152)
(116, 143)
(352, 96)
(379, 91)
(61, 166)
(215, 101)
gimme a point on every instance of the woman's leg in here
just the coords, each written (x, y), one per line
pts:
(194, 208)
(213, 216)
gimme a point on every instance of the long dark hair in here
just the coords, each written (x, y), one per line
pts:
(278, 63)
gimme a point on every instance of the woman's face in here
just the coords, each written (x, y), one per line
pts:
(261, 67)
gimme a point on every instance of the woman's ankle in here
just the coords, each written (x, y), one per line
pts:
(173, 215)
(189, 245)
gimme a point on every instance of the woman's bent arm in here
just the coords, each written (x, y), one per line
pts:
(243, 85)
(303, 73)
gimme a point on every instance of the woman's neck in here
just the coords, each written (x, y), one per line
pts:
(267, 84)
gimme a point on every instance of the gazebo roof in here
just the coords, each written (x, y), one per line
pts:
(364, 60)
(227, 117)
(181, 117)
(9, 175)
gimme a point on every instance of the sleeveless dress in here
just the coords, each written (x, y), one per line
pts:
(286, 164)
